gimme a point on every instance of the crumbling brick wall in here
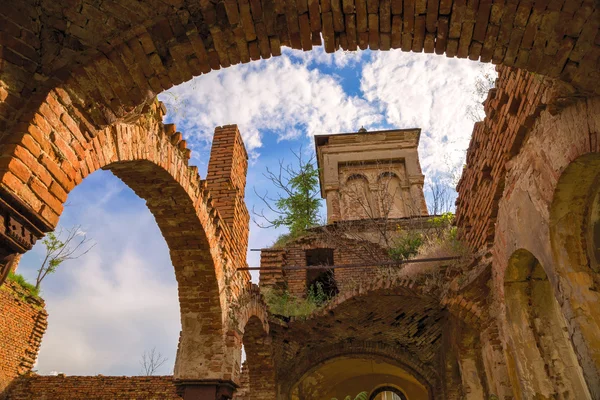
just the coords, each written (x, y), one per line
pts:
(355, 243)
(94, 388)
(226, 180)
(511, 111)
(23, 321)
(294, 254)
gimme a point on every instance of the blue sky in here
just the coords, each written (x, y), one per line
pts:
(120, 299)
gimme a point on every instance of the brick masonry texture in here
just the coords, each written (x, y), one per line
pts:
(94, 388)
(111, 57)
(151, 158)
(78, 81)
(23, 321)
(512, 108)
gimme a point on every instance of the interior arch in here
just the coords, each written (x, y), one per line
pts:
(143, 156)
(539, 346)
(575, 240)
(352, 374)
(260, 368)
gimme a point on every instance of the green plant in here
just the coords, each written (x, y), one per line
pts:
(21, 281)
(406, 245)
(317, 295)
(283, 303)
(285, 238)
(360, 396)
(59, 250)
(296, 205)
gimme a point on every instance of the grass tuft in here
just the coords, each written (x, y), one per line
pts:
(21, 281)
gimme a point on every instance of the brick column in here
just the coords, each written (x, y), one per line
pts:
(226, 180)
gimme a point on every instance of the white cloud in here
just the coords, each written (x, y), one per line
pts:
(282, 95)
(318, 57)
(430, 92)
(111, 316)
(108, 307)
(121, 299)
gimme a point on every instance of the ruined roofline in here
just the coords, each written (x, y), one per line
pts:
(323, 138)
(403, 222)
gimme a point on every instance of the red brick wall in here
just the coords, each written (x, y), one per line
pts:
(115, 55)
(23, 321)
(94, 388)
(226, 180)
(294, 254)
(511, 111)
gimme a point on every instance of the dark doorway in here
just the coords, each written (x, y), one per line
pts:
(320, 282)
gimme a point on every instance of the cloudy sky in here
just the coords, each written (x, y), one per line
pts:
(120, 299)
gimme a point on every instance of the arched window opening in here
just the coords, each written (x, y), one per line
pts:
(387, 393)
(114, 311)
(357, 201)
(545, 361)
(391, 200)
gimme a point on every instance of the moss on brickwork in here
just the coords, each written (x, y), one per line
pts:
(22, 282)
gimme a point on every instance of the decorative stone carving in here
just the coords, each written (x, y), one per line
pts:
(20, 228)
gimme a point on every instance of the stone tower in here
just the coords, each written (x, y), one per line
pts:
(371, 174)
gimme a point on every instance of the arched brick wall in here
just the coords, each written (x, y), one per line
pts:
(259, 359)
(252, 329)
(114, 56)
(554, 142)
(152, 159)
(314, 358)
(539, 348)
(570, 235)
(395, 317)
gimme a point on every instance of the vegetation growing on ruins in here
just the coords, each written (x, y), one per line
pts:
(73, 246)
(284, 304)
(296, 204)
(440, 232)
(21, 281)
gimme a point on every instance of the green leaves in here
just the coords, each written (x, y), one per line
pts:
(360, 396)
(20, 280)
(297, 203)
(59, 250)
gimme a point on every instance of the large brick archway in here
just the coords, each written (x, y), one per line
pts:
(152, 160)
(77, 79)
(113, 57)
(364, 322)
(313, 359)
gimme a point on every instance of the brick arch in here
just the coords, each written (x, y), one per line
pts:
(250, 322)
(312, 359)
(570, 237)
(113, 58)
(538, 333)
(259, 361)
(410, 287)
(152, 160)
(536, 165)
